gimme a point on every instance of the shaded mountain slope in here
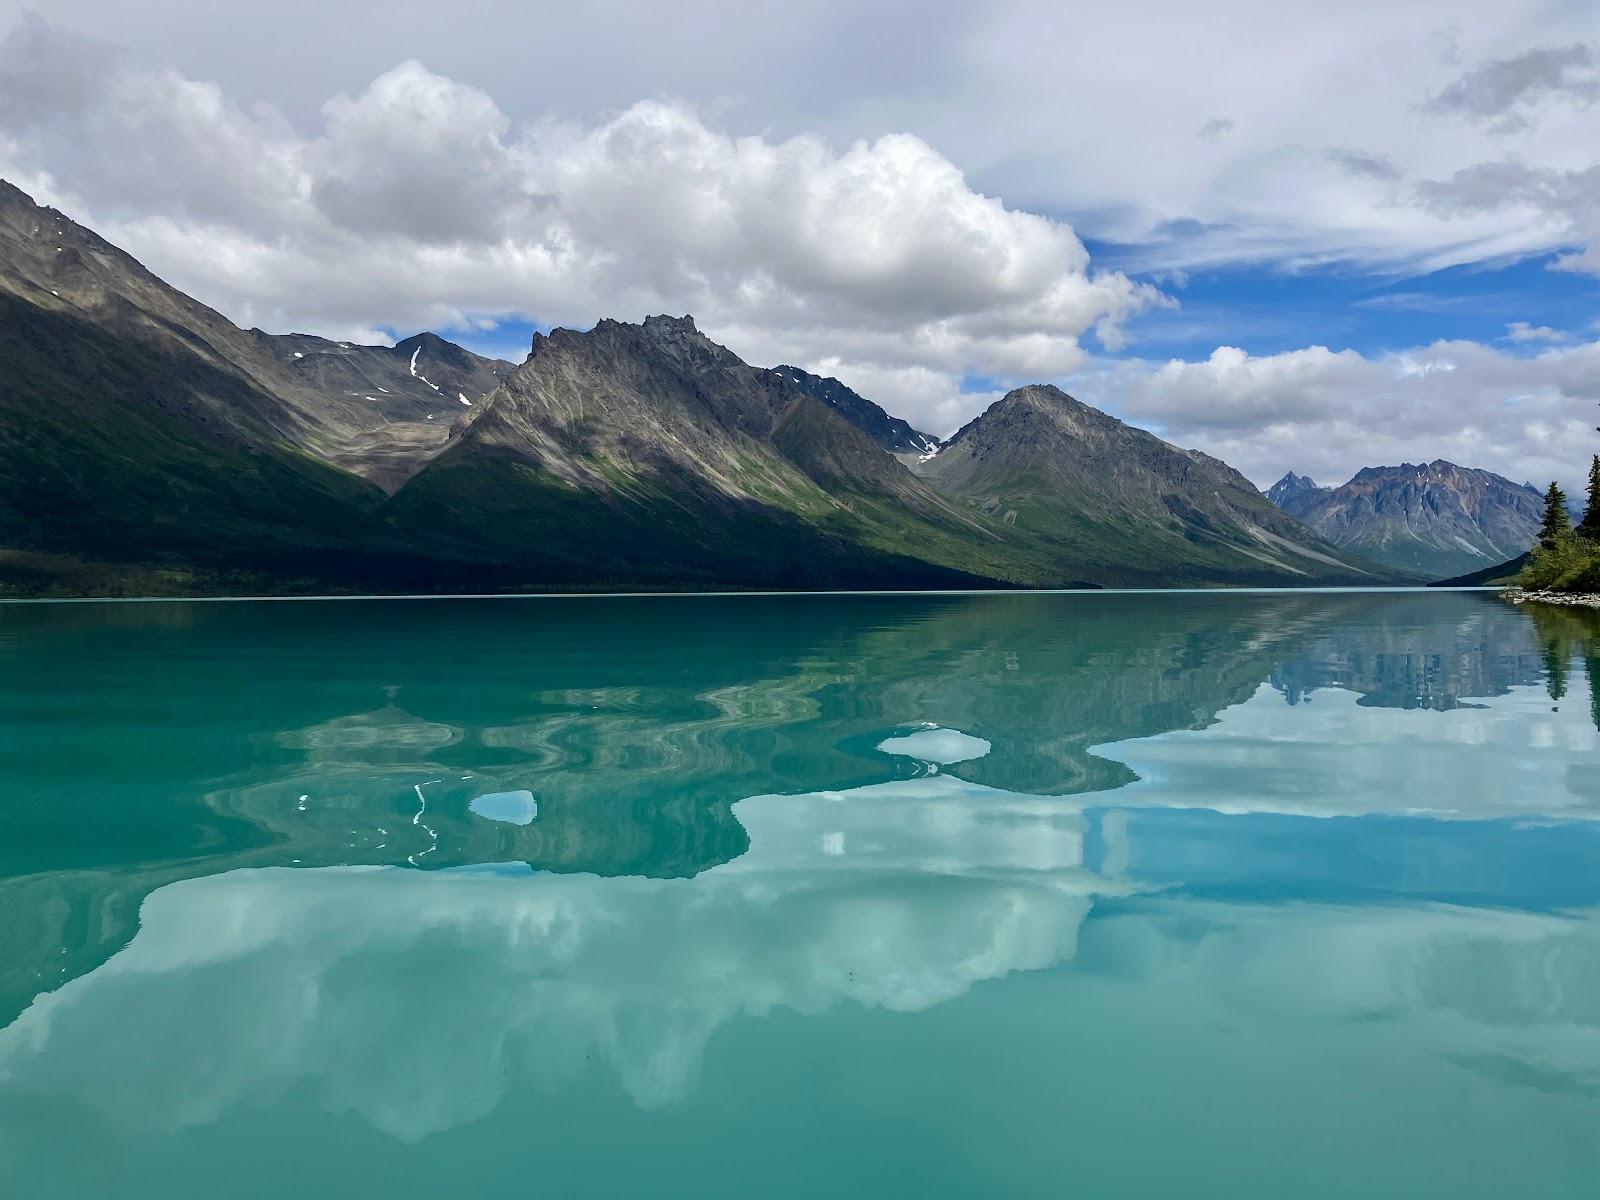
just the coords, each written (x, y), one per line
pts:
(119, 450)
(1432, 519)
(377, 411)
(1500, 575)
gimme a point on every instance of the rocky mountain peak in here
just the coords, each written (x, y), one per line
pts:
(661, 337)
(1438, 519)
(436, 349)
(1289, 486)
(664, 325)
(1033, 405)
(1045, 397)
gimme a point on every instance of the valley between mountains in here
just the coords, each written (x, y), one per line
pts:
(151, 446)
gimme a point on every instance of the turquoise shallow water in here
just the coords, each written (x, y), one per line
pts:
(1025, 895)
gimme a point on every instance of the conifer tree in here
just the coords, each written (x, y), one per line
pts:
(1589, 527)
(1556, 525)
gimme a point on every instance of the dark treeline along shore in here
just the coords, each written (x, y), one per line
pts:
(152, 447)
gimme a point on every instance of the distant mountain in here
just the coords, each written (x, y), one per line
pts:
(1120, 502)
(151, 446)
(1285, 491)
(1434, 520)
(412, 393)
(893, 434)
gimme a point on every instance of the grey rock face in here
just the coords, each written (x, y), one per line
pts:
(1435, 519)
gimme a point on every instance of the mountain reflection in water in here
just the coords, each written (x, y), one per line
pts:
(422, 864)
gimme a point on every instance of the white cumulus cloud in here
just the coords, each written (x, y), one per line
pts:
(420, 203)
(898, 226)
(1328, 413)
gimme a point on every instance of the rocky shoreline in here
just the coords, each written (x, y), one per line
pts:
(1570, 599)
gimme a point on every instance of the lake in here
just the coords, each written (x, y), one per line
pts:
(1094, 894)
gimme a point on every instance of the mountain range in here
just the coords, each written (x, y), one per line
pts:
(1433, 520)
(153, 446)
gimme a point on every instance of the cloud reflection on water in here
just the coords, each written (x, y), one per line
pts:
(418, 1001)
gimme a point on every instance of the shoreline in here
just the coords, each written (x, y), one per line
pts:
(1566, 599)
(354, 597)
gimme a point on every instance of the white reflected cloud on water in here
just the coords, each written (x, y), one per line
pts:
(512, 808)
(406, 996)
(1516, 755)
(417, 1001)
(937, 745)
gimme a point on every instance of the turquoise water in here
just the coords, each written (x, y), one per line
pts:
(1277, 895)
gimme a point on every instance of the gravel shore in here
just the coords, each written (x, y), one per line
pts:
(1571, 599)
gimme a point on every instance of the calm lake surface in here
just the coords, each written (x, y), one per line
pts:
(1271, 894)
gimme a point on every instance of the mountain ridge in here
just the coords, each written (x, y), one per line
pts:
(890, 432)
(1435, 519)
(152, 444)
(1043, 461)
(627, 427)
(364, 409)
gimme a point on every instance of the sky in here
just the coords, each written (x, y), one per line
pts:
(1296, 236)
